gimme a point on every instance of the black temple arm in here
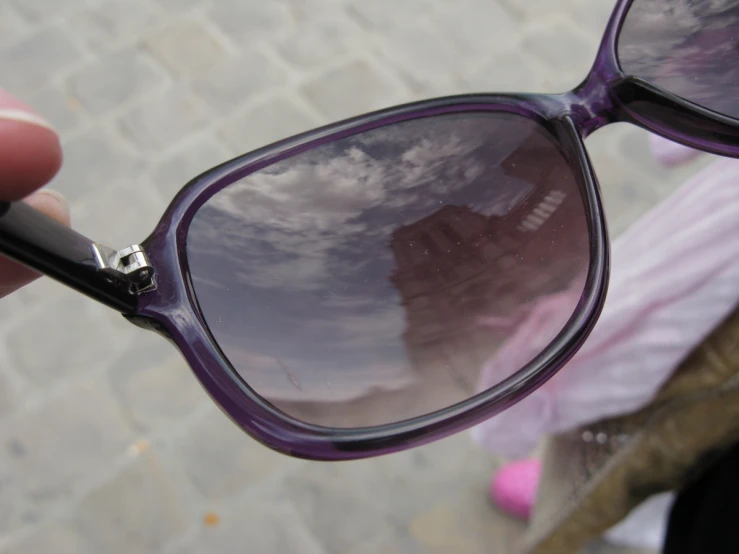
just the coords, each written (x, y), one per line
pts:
(45, 245)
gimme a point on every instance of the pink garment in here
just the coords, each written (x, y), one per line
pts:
(675, 275)
(670, 153)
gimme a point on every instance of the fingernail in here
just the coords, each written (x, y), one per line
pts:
(21, 116)
(12, 109)
(57, 196)
(51, 203)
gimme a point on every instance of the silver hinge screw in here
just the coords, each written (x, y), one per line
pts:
(129, 266)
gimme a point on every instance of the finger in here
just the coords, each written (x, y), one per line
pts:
(13, 275)
(30, 153)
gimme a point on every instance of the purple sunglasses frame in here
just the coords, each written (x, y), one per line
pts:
(605, 96)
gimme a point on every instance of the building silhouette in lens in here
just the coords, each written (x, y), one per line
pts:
(462, 276)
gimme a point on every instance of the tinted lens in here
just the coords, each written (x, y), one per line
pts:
(369, 280)
(687, 47)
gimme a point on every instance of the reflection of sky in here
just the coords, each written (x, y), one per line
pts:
(687, 47)
(291, 264)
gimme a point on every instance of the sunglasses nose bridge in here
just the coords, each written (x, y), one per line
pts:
(592, 104)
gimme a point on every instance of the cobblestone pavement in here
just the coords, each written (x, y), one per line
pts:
(107, 444)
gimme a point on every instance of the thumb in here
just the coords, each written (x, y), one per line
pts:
(51, 203)
(12, 275)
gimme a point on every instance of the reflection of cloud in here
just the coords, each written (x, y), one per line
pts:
(280, 375)
(303, 271)
(687, 47)
(295, 207)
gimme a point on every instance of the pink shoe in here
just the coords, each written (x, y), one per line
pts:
(513, 488)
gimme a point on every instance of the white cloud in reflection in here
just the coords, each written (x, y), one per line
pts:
(344, 376)
(687, 47)
(307, 206)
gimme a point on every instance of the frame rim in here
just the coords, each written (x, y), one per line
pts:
(174, 310)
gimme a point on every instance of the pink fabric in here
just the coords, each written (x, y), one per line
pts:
(675, 275)
(671, 153)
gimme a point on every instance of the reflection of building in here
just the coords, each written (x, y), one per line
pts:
(457, 269)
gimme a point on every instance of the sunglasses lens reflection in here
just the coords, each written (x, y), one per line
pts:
(687, 47)
(394, 272)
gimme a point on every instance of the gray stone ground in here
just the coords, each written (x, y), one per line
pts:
(107, 444)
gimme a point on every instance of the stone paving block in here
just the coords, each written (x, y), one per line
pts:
(114, 22)
(50, 449)
(10, 308)
(268, 524)
(163, 120)
(248, 22)
(111, 81)
(235, 81)
(541, 10)
(221, 461)
(344, 505)
(177, 6)
(43, 289)
(431, 472)
(623, 200)
(477, 29)
(307, 10)
(15, 513)
(627, 193)
(8, 391)
(31, 62)
(266, 122)
(11, 24)
(317, 42)
(350, 90)
(386, 14)
(138, 510)
(42, 353)
(42, 11)
(120, 330)
(391, 543)
(132, 213)
(187, 47)
(510, 71)
(421, 57)
(633, 145)
(55, 538)
(592, 15)
(92, 161)
(186, 162)
(561, 45)
(466, 523)
(154, 384)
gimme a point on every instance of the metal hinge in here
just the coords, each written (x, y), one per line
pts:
(130, 267)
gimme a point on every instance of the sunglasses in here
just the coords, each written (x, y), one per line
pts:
(341, 294)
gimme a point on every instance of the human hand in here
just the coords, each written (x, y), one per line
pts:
(30, 155)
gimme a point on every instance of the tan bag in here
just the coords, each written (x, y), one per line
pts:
(593, 477)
